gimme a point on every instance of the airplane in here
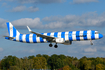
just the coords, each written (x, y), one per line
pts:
(65, 38)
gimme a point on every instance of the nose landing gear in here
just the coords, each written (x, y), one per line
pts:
(91, 42)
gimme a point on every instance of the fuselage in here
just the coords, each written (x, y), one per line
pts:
(67, 36)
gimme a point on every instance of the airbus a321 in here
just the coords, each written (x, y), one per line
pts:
(65, 38)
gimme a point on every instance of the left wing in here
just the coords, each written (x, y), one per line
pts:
(48, 38)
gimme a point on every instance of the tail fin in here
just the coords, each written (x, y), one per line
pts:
(11, 30)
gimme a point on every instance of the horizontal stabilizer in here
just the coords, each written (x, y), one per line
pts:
(9, 37)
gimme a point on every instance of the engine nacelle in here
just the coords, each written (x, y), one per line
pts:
(67, 42)
(59, 40)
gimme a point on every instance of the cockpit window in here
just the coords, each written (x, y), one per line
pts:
(96, 32)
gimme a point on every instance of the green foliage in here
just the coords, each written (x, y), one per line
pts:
(0, 64)
(38, 55)
(19, 63)
(62, 56)
(76, 63)
(45, 56)
(14, 68)
(8, 61)
(68, 61)
(51, 62)
(66, 67)
(55, 62)
(39, 63)
(27, 63)
(100, 67)
(31, 57)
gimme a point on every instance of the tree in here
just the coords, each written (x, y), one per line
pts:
(14, 68)
(39, 63)
(27, 63)
(0, 65)
(66, 68)
(62, 57)
(67, 61)
(55, 62)
(76, 63)
(8, 61)
(99, 67)
(45, 56)
(75, 58)
(84, 57)
(38, 55)
(87, 65)
(99, 60)
(31, 62)
(96, 61)
(19, 63)
(31, 57)
(82, 63)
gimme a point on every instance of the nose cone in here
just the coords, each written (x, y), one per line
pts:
(100, 36)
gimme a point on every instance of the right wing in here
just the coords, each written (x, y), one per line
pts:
(48, 38)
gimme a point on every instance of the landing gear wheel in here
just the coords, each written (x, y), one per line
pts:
(91, 42)
(50, 45)
(55, 46)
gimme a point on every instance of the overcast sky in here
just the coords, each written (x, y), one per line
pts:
(52, 15)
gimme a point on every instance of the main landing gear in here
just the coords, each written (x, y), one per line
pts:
(56, 46)
(50, 45)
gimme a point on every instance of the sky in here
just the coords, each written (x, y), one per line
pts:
(52, 16)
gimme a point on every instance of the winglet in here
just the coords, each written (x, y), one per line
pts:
(29, 29)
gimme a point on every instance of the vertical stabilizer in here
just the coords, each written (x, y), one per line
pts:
(11, 30)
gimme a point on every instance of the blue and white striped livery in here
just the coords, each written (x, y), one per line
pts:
(53, 37)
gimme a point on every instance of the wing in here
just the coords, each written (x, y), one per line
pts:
(48, 38)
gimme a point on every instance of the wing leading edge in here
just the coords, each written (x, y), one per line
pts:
(48, 38)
